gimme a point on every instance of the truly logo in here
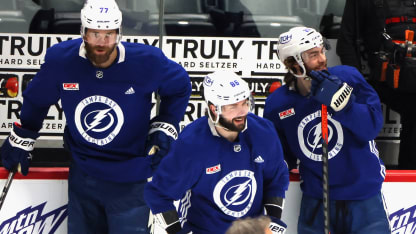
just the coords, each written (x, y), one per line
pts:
(32, 221)
(403, 221)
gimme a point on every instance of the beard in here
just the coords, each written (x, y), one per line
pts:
(230, 125)
(318, 67)
(99, 58)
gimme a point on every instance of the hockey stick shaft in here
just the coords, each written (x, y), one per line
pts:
(325, 177)
(6, 188)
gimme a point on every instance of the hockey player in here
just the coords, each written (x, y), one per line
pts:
(356, 173)
(224, 166)
(105, 87)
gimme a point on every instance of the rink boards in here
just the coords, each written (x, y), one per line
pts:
(38, 203)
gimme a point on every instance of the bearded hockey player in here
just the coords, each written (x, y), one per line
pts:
(105, 87)
(356, 172)
(224, 166)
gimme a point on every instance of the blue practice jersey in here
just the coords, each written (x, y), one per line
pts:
(355, 169)
(108, 109)
(218, 181)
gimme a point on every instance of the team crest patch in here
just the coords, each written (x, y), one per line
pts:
(287, 113)
(214, 169)
(70, 86)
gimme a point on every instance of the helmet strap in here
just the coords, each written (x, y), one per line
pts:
(210, 114)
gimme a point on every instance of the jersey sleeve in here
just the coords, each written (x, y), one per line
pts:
(364, 116)
(276, 174)
(174, 91)
(42, 92)
(175, 175)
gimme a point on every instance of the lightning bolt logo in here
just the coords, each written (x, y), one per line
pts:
(317, 133)
(317, 136)
(237, 193)
(97, 124)
(309, 134)
(100, 115)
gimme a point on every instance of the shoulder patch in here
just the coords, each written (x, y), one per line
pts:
(70, 86)
(287, 113)
(214, 169)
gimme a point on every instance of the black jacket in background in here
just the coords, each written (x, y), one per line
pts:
(365, 19)
(366, 25)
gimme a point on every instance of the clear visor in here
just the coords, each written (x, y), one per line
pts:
(94, 37)
(238, 109)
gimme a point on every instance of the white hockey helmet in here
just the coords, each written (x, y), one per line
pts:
(224, 88)
(101, 14)
(296, 41)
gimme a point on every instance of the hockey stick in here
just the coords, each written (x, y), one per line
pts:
(325, 177)
(6, 187)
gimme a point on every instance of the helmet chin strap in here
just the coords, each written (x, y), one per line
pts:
(301, 66)
(217, 111)
(216, 122)
(220, 126)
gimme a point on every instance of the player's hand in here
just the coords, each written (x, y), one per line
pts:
(168, 221)
(330, 90)
(277, 226)
(161, 136)
(15, 151)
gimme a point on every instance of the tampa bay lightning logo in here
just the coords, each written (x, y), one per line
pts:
(98, 119)
(310, 136)
(235, 192)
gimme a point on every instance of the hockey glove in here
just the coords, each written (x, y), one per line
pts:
(277, 226)
(330, 90)
(161, 135)
(17, 147)
(168, 221)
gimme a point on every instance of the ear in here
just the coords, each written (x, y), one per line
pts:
(293, 65)
(213, 109)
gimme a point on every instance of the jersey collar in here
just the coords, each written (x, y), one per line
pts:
(214, 131)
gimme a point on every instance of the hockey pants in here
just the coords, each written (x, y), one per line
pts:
(99, 206)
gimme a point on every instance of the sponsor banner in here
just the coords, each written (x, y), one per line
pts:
(255, 59)
(392, 126)
(35, 207)
(401, 204)
(38, 203)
